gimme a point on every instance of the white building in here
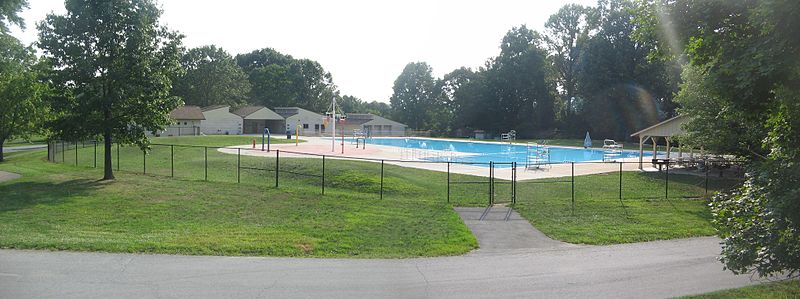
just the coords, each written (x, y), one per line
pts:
(186, 121)
(310, 123)
(256, 118)
(220, 121)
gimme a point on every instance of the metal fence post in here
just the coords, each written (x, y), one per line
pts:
(620, 181)
(448, 182)
(706, 183)
(381, 179)
(76, 153)
(513, 183)
(95, 154)
(144, 162)
(63, 155)
(573, 187)
(277, 166)
(172, 160)
(666, 182)
(491, 182)
(117, 156)
(205, 167)
(238, 165)
(323, 174)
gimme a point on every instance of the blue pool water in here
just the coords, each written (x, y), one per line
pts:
(484, 152)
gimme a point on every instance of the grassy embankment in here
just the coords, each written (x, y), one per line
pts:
(60, 206)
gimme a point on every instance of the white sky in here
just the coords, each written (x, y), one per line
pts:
(364, 44)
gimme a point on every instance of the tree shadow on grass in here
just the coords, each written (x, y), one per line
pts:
(20, 195)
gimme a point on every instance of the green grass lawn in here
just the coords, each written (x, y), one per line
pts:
(60, 206)
(783, 290)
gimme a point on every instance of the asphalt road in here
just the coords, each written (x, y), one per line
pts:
(23, 148)
(653, 269)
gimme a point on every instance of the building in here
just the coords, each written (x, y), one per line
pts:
(220, 121)
(186, 121)
(310, 123)
(256, 118)
(372, 125)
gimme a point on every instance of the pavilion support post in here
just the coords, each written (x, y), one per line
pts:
(641, 150)
(655, 143)
(669, 149)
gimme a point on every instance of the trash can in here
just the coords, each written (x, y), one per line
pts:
(289, 134)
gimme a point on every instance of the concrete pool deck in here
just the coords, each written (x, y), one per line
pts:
(315, 147)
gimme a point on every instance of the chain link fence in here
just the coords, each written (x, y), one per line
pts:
(570, 186)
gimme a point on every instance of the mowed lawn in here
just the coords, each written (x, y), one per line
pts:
(61, 206)
(786, 289)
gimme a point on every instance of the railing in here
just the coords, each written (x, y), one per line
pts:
(463, 183)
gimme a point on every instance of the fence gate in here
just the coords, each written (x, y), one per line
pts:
(496, 190)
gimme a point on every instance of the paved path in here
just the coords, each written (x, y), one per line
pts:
(642, 270)
(23, 148)
(501, 229)
(7, 176)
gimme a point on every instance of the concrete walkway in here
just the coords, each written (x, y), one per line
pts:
(501, 229)
(7, 176)
(642, 270)
(23, 148)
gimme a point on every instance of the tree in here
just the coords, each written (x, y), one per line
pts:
(281, 80)
(9, 10)
(414, 95)
(622, 89)
(211, 77)
(517, 82)
(113, 62)
(22, 109)
(742, 92)
(566, 33)
(465, 91)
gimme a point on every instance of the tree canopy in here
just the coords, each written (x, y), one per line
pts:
(281, 80)
(112, 64)
(9, 14)
(211, 77)
(22, 110)
(414, 95)
(742, 89)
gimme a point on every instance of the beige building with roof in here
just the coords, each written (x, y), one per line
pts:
(309, 123)
(220, 121)
(256, 118)
(186, 121)
(373, 125)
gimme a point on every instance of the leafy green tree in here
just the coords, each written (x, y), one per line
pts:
(22, 109)
(113, 62)
(522, 97)
(272, 86)
(566, 33)
(465, 91)
(622, 89)
(743, 94)
(211, 77)
(280, 80)
(9, 10)
(414, 96)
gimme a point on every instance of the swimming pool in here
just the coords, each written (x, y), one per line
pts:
(485, 152)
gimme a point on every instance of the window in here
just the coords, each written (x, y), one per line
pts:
(185, 123)
(316, 127)
(305, 126)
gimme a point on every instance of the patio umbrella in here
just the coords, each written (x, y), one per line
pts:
(587, 142)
